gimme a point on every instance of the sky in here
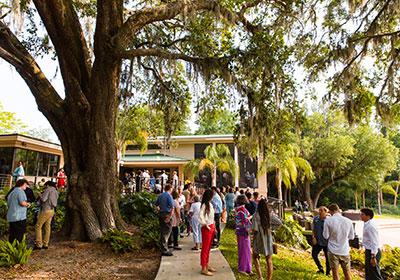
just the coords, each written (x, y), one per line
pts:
(16, 97)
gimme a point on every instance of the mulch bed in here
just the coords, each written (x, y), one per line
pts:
(81, 260)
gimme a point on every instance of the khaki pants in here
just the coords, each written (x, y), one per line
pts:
(44, 218)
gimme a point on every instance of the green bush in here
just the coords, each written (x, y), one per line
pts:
(138, 209)
(291, 234)
(390, 209)
(390, 263)
(3, 209)
(3, 227)
(150, 235)
(15, 253)
(231, 220)
(59, 218)
(357, 258)
(119, 241)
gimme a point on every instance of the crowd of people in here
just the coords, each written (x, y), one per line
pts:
(144, 180)
(182, 210)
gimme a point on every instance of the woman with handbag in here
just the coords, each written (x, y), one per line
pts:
(263, 224)
(242, 228)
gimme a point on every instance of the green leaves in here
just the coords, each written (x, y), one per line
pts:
(218, 157)
(9, 123)
(13, 254)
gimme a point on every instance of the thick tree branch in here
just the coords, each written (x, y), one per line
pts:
(65, 31)
(12, 50)
(143, 17)
(160, 53)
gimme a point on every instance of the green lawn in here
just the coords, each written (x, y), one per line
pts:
(288, 264)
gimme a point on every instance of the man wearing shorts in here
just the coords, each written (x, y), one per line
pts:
(338, 230)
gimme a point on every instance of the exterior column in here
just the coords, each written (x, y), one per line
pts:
(236, 157)
(181, 176)
(214, 175)
(261, 178)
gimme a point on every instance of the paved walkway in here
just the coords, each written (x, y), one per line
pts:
(185, 264)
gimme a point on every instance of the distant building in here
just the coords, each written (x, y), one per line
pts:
(185, 148)
(41, 159)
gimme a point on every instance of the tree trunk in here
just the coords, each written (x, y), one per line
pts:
(307, 194)
(379, 202)
(285, 191)
(214, 177)
(316, 197)
(395, 197)
(356, 199)
(290, 199)
(363, 198)
(381, 196)
(278, 183)
(88, 141)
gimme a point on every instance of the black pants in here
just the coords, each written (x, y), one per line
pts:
(165, 232)
(17, 231)
(316, 249)
(217, 237)
(174, 237)
(372, 273)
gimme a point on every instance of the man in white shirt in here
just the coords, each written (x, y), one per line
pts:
(371, 244)
(164, 179)
(175, 180)
(338, 230)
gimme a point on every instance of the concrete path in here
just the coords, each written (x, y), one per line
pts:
(185, 264)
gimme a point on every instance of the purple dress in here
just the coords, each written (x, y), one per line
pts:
(243, 225)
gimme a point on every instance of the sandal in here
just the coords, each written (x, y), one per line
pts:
(206, 273)
(195, 249)
(212, 269)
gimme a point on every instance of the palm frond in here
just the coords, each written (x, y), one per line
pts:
(290, 169)
(388, 189)
(206, 163)
(211, 153)
(305, 167)
(223, 151)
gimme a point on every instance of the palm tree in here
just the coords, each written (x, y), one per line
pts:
(217, 157)
(391, 187)
(287, 166)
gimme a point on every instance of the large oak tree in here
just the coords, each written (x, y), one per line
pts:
(152, 32)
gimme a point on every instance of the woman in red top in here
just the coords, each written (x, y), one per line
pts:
(61, 178)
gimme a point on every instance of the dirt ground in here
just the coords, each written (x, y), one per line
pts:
(80, 260)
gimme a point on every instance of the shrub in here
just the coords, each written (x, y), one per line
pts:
(59, 218)
(231, 220)
(138, 209)
(390, 263)
(3, 209)
(3, 226)
(120, 241)
(15, 253)
(291, 234)
(357, 258)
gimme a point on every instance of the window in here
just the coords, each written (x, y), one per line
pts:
(6, 160)
(248, 170)
(199, 150)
